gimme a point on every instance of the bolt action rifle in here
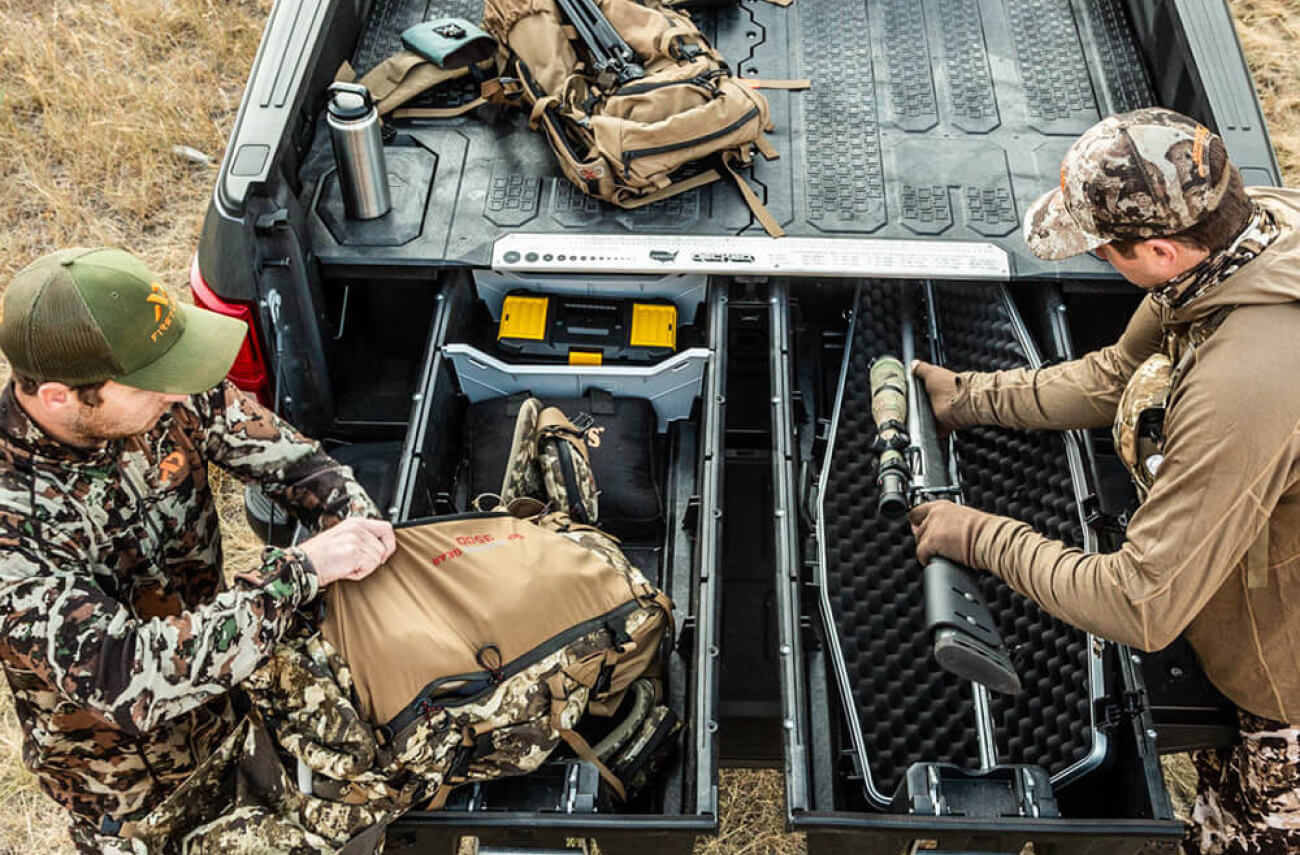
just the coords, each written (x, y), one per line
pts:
(612, 59)
(912, 471)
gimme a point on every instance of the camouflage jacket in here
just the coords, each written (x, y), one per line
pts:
(120, 638)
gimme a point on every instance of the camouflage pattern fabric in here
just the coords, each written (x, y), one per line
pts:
(1248, 796)
(86, 840)
(1138, 430)
(1143, 402)
(242, 800)
(565, 465)
(119, 637)
(1256, 237)
(522, 478)
(539, 467)
(364, 775)
(1136, 175)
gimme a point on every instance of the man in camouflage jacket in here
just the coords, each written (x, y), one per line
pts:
(1213, 550)
(119, 638)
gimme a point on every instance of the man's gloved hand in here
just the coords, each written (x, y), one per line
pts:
(947, 529)
(941, 386)
(350, 550)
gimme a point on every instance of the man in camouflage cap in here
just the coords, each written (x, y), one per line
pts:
(119, 637)
(1209, 359)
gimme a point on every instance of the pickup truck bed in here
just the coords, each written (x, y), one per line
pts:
(802, 639)
(934, 119)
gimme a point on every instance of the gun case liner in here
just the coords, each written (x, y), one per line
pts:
(902, 707)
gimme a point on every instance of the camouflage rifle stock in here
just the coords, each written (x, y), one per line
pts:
(912, 471)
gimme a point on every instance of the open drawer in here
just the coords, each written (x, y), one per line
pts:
(460, 368)
(883, 748)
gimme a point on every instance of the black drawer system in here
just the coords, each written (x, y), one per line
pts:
(883, 748)
(802, 637)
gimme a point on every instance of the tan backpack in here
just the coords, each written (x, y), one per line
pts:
(625, 143)
(472, 654)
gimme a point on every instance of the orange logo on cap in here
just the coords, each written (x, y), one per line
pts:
(159, 299)
(1198, 151)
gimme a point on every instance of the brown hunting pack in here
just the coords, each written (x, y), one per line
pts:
(471, 655)
(628, 95)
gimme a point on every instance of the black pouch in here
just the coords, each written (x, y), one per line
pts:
(624, 462)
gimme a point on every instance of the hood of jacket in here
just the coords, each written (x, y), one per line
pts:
(1271, 278)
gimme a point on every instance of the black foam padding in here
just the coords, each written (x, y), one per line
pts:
(908, 708)
(940, 119)
(1025, 475)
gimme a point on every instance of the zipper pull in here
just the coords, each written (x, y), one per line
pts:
(489, 658)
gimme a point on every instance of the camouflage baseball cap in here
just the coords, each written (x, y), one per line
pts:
(1137, 175)
(81, 316)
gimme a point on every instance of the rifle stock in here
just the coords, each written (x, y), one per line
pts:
(912, 471)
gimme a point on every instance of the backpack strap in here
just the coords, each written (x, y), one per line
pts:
(402, 76)
(673, 189)
(761, 213)
(580, 746)
(765, 148)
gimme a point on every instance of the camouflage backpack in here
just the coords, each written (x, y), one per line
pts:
(1139, 427)
(471, 655)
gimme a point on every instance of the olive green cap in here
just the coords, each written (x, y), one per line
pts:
(82, 316)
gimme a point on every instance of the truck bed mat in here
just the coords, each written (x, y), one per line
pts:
(933, 119)
(901, 707)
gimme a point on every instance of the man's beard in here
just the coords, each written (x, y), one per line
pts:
(93, 429)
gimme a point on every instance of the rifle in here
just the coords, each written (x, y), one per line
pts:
(612, 58)
(912, 471)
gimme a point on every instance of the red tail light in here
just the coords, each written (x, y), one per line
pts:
(249, 371)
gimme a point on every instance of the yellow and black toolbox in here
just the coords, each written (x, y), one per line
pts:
(585, 330)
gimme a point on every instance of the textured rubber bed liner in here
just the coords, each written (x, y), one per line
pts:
(901, 707)
(934, 119)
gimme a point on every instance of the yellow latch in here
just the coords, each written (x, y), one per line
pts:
(654, 325)
(523, 317)
(585, 357)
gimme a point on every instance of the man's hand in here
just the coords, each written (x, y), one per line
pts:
(940, 384)
(350, 550)
(947, 529)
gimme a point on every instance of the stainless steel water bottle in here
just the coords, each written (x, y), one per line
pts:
(358, 151)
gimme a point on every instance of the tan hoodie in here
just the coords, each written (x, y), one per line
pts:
(1214, 551)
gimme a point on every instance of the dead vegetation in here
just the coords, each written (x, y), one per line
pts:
(104, 105)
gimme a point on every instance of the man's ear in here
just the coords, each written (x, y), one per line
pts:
(1174, 256)
(56, 397)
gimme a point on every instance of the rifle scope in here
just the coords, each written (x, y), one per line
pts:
(889, 411)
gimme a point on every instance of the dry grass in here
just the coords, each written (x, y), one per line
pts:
(94, 96)
(1270, 33)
